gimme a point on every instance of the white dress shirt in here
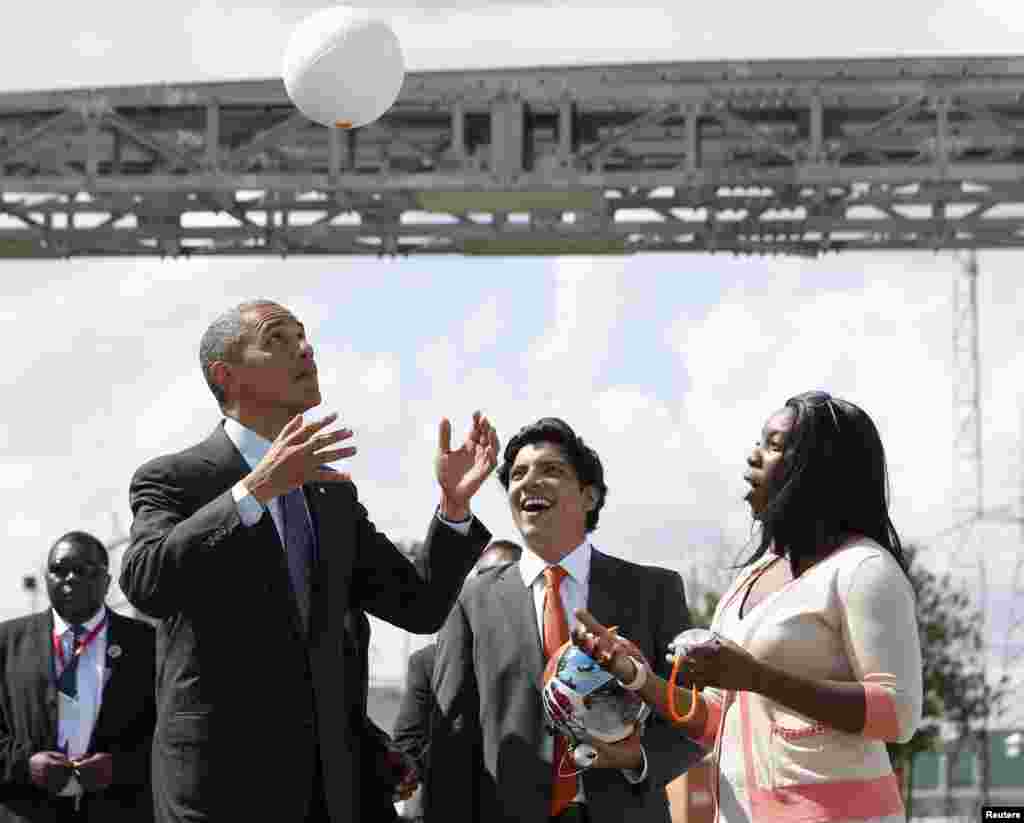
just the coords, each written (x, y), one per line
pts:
(574, 592)
(76, 718)
(253, 448)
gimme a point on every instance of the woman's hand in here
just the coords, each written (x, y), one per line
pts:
(721, 665)
(616, 655)
(612, 653)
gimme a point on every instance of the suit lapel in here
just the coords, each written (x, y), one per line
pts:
(521, 618)
(221, 452)
(273, 544)
(316, 500)
(112, 663)
(517, 612)
(42, 677)
(322, 501)
(282, 561)
(601, 598)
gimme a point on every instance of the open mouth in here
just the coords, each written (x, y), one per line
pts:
(69, 597)
(534, 505)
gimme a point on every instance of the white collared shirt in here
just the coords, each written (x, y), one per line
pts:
(574, 588)
(253, 448)
(76, 719)
(574, 592)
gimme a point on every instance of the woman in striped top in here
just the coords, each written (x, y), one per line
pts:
(817, 661)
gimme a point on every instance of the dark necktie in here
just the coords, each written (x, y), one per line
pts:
(67, 681)
(298, 543)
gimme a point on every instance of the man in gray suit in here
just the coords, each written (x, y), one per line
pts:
(492, 758)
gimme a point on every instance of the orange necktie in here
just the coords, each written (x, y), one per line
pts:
(556, 634)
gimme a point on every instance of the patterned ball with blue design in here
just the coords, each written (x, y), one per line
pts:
(584, 702)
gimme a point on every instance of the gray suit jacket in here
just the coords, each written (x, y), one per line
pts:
(485, 762)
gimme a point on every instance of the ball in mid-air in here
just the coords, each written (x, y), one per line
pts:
(582, 701)
(343, 67)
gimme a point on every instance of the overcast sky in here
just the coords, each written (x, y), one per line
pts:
(667, 364)
(56, 44)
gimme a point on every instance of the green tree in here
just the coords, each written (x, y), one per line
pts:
(702, 615)
(956, 688)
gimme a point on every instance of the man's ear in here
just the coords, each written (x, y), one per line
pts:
(220, 373)
(590, 492)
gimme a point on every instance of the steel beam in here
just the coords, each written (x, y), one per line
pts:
(792, 157)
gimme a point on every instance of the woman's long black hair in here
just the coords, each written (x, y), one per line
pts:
(832, 482)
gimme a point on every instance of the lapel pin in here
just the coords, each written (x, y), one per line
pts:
(322, 490)
(114, 651)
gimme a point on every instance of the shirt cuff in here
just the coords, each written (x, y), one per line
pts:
(635, 776)
(461, 526)
(250, 510)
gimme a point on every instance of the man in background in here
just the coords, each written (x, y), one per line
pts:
(390, 775)
(498, 553)
(417, 710)
(76, 700)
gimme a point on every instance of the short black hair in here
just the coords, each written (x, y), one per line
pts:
(833, 481)
(82, 539)
(222, 339)
(498, 554)
(581, 457)
(504, 547)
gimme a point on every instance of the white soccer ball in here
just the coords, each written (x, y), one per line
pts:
(343, 67)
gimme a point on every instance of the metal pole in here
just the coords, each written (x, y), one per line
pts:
(968, 474)
(971, 271)
(30, 585)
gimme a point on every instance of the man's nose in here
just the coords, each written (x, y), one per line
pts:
(521, 484)
(532, 482)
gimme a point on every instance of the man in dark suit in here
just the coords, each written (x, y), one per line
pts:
(252, 552)
(491, 756)
(418, 708)
(389, 774)
(415, 715)
(76, 700)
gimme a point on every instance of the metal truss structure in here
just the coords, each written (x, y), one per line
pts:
(795, 157)
(968, 486)
(969, 506)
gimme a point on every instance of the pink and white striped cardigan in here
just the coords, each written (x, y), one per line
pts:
(851, 617)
